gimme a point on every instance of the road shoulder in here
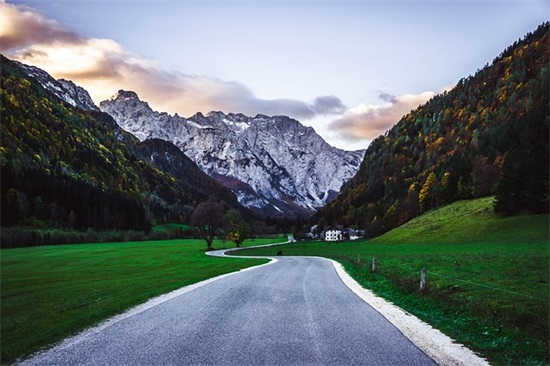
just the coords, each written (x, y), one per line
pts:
(441, 348)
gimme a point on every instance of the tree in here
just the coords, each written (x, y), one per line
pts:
(448, 191)
(412, 198)
(72, 220)
(13, 208)
(429, 193)
(463, 191)
(237, 229)
(510, 190)
(209, 218)
(41, 210)
(321, 225)
(389, 220)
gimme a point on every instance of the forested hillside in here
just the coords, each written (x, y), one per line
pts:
(487, 136)
(69, 168)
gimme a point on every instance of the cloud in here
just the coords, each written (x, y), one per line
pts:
(103, 66)
(21, 26)
(388, 97)
(370, 121)
(328, 104)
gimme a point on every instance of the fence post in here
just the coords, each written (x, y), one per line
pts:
(373, 264)
(423, 280)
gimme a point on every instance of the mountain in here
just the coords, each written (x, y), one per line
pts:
(487, 136)
(275, 165)
(64, 163)
(66, 90)
(170, 160)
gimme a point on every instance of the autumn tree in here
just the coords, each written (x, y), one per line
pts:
(237, 228)
(412, 200)
(428, 198)
(209, 218)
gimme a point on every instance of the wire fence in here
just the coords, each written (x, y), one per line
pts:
(490, 287)
(374, 265)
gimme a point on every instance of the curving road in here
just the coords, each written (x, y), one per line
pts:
(296, 311)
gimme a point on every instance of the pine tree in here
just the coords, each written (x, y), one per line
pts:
(13, 207)
(447, 194)
(509, 190)
(463, 191)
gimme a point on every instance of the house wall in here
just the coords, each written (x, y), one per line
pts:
(333, 235)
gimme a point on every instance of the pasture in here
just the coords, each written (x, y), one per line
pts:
(51, 292)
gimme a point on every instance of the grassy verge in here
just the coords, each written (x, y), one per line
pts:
(488, 276)
(51, 292)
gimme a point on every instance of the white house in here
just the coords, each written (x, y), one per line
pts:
(334, 233)
(356, 234)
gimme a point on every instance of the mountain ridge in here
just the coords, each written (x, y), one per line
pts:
(66, 90)
(287, 165)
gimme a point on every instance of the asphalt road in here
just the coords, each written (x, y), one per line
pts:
(296, 311)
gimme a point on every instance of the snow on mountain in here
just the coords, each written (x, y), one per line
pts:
(78, 94)
(64, 89)
(274, 165)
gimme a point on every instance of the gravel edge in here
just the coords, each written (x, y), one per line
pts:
(440, 347)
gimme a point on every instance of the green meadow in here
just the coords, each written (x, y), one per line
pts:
(51, 292)
(487, 276)
(487, 279)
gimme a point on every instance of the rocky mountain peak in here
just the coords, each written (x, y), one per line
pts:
(216, 114)
(125, 95)
(274, 165)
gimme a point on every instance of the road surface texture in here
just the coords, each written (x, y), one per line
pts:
(296, 311)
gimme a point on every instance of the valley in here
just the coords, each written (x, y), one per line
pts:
(458, 187)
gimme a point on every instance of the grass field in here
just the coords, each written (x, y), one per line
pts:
(487, 276)
(170, 227)
(51, 292)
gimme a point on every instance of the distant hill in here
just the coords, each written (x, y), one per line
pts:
(487, 136)
(66, 164)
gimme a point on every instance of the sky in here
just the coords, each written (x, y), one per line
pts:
(349, 69)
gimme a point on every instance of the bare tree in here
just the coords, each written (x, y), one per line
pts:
(209, 218)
